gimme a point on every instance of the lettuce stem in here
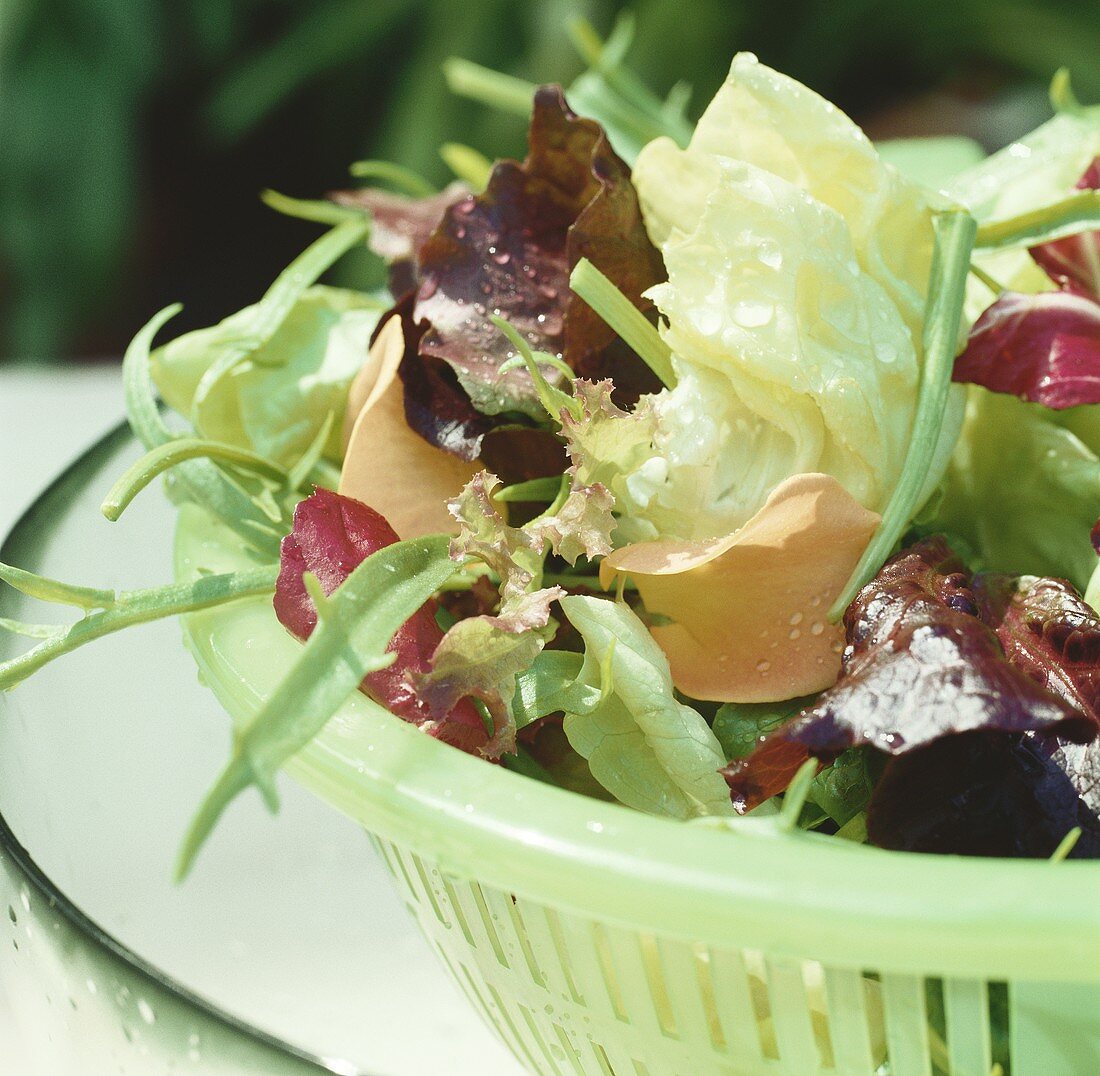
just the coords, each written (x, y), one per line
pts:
(955, 232)
(625, 318)
(1078, 213)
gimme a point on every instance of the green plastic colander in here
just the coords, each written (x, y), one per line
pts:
(595, 939)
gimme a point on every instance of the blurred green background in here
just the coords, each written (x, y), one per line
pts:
(136, 134)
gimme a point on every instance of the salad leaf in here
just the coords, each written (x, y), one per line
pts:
(1022, 491)
(919, 666)
(580, 524)
(508, 253)
(1044, 348)
(385, 459)
(514, 553)
(1073, 263)
(987, 794)
(400, 225)
(332, 536)
(647, 749)
(792, 356)
(1048, 632)
(278, 393)
(481, 657)
(743, 617)
(354, 627)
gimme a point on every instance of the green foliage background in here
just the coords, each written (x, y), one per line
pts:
(135, 134)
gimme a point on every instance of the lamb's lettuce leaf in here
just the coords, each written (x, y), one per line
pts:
(649, 750)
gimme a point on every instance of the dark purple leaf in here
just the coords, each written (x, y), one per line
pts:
(333, 535)
(1073, 263)
(509, 252)
(919, 666)
(1044, 348)
(985, 794)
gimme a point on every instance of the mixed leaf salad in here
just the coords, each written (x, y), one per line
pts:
(734, 467)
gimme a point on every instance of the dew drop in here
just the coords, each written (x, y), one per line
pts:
(817, 628)
(763, 666)
(145, 1011)
(11, 914)
(794, 634)
(460, 232)
(795, 620)
(750, 314)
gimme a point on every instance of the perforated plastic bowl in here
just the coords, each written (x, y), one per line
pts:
(595, 939)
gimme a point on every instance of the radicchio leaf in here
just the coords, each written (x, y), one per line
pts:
(333, 535)
(509, 252)
(1073, 263)
(919, 666)
(1046, 347)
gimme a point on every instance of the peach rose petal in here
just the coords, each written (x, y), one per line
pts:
(387, 465)
(359, 392)
(748, 611)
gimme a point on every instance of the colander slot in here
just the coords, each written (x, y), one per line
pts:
(557, 939)
(680, 961)
(544, 951)
(641, 980)
(429, 894)
(607, 968)
(392, 859)
(512, 932)
(498, 1019)
(456, 910)
(966, 1012)
(539, 1039)
(854, 1005)
(733, 1005)
(488, 925)
(708, 999)
(601, 1059)
(906, 1024)
(523, 1052)
(791, 1017)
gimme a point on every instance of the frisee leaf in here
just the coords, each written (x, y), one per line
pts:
(355, 625)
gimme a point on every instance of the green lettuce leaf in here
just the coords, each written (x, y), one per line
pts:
(649, 750)
(1022, 490)
(798, 268)
(278, 394)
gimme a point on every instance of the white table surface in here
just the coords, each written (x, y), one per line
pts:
(47, 417)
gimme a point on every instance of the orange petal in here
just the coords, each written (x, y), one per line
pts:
(388, 465)
(748, 610)
(359, 392)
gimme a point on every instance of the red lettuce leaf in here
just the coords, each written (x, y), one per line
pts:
(332, 535)
(988, 794)
(509, 252)
(1073, 263)
(1044, 348)
(1049, 633)
(919, 666)
(400, 226)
